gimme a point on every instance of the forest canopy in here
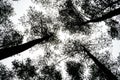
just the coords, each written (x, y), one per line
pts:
(63, 40)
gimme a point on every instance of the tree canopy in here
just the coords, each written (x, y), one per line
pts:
(77, 36)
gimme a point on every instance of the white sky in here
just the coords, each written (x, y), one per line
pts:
(20, 8)
(116, 48)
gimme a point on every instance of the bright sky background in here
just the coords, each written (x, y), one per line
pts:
(20, 8)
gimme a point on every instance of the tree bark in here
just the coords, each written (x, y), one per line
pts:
(7, 52)
(108, 73)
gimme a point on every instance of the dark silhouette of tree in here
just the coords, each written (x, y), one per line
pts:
(111, 4)
(75, 70)
(101, 66)
(97, 7)
(96, 73)
(5, 73)
(104, 17)
(72, 48)
(113, 28)
(7, 52)
(50, 73)
(6, 10)
(72, 12)
(73, 20)
(24, 70)
(39, 28)
(9, 36)
(12, 38)
(38, 22)
(76, 47)
(114, 32)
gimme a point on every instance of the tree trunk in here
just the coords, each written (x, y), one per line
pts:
(108, 73)
(98, 19)
(7, 52)
(104, 17)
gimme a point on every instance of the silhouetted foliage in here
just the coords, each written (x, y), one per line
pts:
(105, 16)
(38, 22)
(96, 8)
(9, 37)
(6, 10)
(24, 71)
(72, 18)
(50, 73)
(74, 21)
(96, 73)
(114, 32)
(75, 70)
(107, 71)
(5, 73)
(113, 28)
(40, 25)
(12, 38)
(72, 48)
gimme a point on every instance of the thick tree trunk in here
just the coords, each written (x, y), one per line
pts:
(98, 19)
(7, 52)
(104, 17)
(108, 73)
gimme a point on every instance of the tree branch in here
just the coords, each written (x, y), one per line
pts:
(7, 52)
